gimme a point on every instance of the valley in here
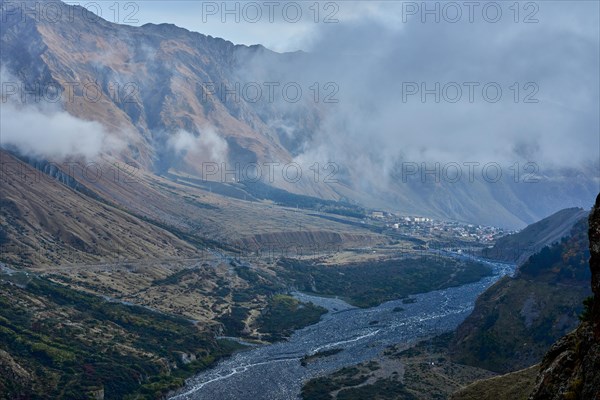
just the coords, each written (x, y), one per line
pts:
(394, 279)
(276, 371)
(232, 284)
(164, 234)
(513, 323)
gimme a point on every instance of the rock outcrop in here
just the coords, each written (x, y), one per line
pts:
(594, 235)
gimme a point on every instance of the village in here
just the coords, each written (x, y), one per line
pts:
(418, 226)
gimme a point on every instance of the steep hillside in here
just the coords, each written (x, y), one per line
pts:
(159, 87)
(55, 217)
(571, 368)
(516, 320)
(519, 246)
(514, 385)
(46, 222)
(59, 343)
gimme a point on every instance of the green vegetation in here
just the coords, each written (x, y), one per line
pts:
(517, 247)
(370, 284)
(586, 314)
(284, 314)
(281, 314)
(566, 261)
(304, 361)
(319, 388)
(381, 389)
(67, 343)
(351, 384)
(422, 371)
(516, 385)
(260, 283)
(515, 322)
(517, 319)
(233, 322)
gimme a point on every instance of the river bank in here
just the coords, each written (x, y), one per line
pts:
(276, 372)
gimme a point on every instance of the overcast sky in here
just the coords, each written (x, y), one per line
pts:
(290, 25)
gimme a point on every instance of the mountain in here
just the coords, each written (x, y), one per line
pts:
(571, 367)
(60, 343)
(46, 222)
(517, 248)
(156, 97)
(516, 320)
(52, 218)
(512, 326)
(158, 87)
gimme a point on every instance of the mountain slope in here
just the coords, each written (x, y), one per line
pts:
(514, 385)
(59, 343)
(571, 368)
(518, 318)
(45, 222)
(160, 91)
(519, 246)
(153, 81)
(53, 217)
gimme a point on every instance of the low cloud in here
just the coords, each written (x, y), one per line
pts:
(53, 134)
(398, 99)
(207, 145)
(45, 130)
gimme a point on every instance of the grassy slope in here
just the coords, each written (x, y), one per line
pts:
(370, 284)
(66, 344)
(514, 386)
(284, 314)
(420, 372)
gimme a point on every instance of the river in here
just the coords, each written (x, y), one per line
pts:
(274, 372)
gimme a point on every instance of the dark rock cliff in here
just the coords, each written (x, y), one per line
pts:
(595, 264)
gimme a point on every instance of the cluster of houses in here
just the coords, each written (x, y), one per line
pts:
(428, 226)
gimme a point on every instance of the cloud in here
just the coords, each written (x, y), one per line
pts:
(547, 73)
(208, 145)
(550, 49)
(53, 134)
(44, 130)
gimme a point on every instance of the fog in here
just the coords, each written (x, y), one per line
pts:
(49, 133)
(208, 145)
(506, 92)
